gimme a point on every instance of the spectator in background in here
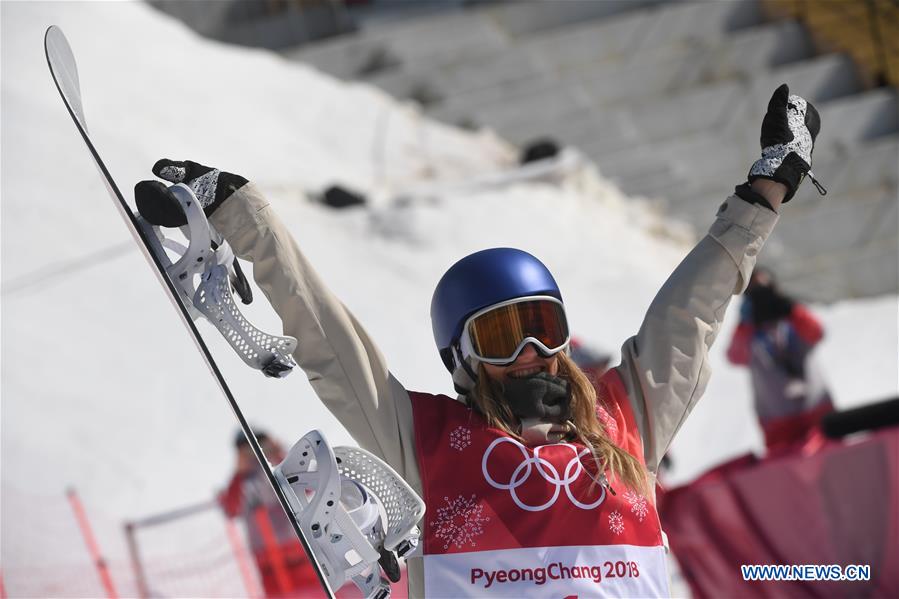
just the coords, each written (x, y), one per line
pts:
(594, 362)
(775, 339)
(283, 566)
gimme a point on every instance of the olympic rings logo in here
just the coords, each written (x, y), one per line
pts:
(550, 474)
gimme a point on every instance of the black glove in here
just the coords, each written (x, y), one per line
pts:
(160, 207)
(788, 137)
(211, 186)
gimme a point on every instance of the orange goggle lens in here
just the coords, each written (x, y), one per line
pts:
(496, 335)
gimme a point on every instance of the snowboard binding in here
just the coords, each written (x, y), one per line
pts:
(356, 512)
(209, 257)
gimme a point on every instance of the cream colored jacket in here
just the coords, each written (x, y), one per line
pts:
(664, 366)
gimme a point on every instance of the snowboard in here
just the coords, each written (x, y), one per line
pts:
(64, 70)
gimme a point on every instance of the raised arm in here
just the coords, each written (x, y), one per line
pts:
(665, 366)
(345, 368)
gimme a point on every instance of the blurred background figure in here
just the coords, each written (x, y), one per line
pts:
(775, 340)
(592, 360)
(283, 567)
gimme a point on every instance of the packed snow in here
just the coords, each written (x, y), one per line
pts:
(102, 389)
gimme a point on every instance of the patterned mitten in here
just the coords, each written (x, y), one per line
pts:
(210, 185)
(158, 205)
(788, 137)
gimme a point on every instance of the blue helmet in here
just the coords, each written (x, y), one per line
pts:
(478, 281)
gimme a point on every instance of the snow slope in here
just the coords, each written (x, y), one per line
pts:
(101, 387)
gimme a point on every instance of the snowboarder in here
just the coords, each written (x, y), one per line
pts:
(537, 482)
(775, 339)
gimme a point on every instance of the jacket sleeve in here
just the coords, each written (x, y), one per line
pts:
(345, 368)
(665, 366)
(807, 326)
(738, 350)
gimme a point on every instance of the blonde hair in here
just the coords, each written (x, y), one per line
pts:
(623, 467)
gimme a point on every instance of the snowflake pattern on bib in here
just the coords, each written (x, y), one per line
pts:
(616, 522)
(460, 521)
(460, 438)
(638, 505)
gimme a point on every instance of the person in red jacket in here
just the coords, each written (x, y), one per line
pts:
(283, 567)
(775, 339)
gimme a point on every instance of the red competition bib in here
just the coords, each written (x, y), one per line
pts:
(508, 520)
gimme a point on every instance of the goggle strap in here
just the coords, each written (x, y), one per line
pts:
(464, 363)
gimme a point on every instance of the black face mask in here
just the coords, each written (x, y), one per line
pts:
(542, 396)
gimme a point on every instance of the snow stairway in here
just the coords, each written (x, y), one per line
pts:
(667, 100)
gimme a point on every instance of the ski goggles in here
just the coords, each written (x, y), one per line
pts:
(496, 335)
